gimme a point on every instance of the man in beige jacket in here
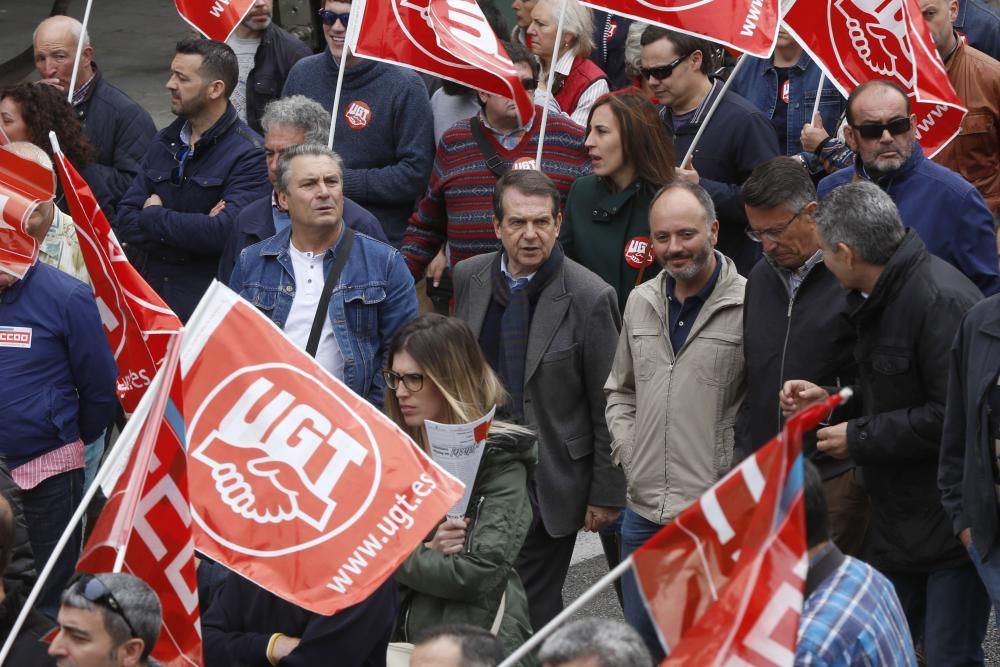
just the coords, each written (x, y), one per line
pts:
(678, 377)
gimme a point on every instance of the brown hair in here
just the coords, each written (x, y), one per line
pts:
(44, 109)
(645, 144)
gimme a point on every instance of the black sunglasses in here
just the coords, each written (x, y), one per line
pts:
(661, 72)
(94, 590)
(412, 381)
(875, 130)
(328, 17)
(529, 84)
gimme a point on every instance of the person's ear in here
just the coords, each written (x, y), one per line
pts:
(851, 137)
(282, 200)
(496, 227)
(130, 652)
(216, 89)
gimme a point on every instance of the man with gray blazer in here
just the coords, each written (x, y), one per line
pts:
(549, 327)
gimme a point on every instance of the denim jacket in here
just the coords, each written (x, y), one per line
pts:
(373, 298)
(757, 81)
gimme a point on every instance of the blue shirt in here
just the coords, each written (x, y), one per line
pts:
(681, 315)
(854, 618)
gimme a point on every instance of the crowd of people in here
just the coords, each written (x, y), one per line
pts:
(644, 312)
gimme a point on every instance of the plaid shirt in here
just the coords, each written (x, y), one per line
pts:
(854, 618)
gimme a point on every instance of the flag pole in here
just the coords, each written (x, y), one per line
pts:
(685, 164)
(571, 609)
(356, 8)
(548, 87)
(819, 94)
(76, 63)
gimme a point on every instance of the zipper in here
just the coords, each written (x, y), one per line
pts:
(784, 347)
(472, 524)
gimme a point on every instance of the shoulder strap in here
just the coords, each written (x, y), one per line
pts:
(493, 161)
(331, 281)
(824, 566)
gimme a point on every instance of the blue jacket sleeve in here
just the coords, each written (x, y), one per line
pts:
(91, 364)
(132, 137)
(399, 307)
(225, 642)
(976, 246)
(361, 220)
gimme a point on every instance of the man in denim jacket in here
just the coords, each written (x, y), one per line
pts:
(284, 275)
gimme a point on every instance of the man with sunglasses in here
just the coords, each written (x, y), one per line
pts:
(107, 620)
(946, 211)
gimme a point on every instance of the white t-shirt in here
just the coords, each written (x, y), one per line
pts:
(245, 50)
(309, 277)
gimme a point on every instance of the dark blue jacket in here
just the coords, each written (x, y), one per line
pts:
(176, 247)
(256, 223)
(278, 51)
(120, 130)
(610, 33)
(60, 386)
(980, 23)
(946, 211)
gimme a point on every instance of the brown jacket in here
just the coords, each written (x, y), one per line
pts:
(975, 152)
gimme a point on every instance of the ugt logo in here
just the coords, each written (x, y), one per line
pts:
(877, 32)
(281, 446)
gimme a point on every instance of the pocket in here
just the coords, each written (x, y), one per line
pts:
(361, 306)
(580, 446)
(645, 343)
(891, 363)
(556, 356)
(719, 356)
(263, 299)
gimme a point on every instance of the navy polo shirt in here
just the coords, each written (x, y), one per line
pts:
(681, 316)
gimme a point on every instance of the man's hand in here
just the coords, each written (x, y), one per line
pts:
(153, 200)
(813, 133)
(449, 538)
(54, 83)
(436, 268)
(832, 441)
(966, 537)
(217, 209)
(284, 645)
(687, 173)
(598, 518)
(798, 394)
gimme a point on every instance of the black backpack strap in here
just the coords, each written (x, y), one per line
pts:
(331, 281)
(493, 161)
(823, 567)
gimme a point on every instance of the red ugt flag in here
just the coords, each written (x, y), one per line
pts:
(745, 25)
(216, 19)
(446, 38)
(148, 515)
(23, 185)
(855, 41)
(136, 321)
(723, 582)
(303, 486)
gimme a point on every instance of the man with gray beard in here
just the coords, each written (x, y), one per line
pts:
(678, 377)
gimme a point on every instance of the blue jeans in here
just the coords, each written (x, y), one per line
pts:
(949, 610)
(92, 453)
(989, 572)
(635, 531)
(47, 510)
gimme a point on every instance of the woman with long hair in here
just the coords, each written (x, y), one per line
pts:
(464, 572)
(606, 226)
(578, 81)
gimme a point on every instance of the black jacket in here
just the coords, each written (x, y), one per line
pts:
(28, 648)
(809, 337)
(905, 332)
(278, 51)
(966, 476)
(22, 559)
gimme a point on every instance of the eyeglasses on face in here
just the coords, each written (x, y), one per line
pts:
(773, 233)
(412, 381)
(328, 17)
(94, 590)
(661, 72)
(895, 126)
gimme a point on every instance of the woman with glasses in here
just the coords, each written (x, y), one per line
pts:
(606, 226)
(578, 81)
(464, 571)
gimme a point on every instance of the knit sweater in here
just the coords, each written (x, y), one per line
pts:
(384, 132)
(458, 205)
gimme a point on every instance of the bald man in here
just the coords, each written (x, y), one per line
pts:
(118, 127)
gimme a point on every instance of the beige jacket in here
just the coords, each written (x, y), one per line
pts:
(671, 415)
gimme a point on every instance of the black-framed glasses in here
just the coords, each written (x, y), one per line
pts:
(774, 233)
(328, 17)
(661, 72)
(896, 126)
(94, 590)
(412, 381)
(529, 83)
(177, 173)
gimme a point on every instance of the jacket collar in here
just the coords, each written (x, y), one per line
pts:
(11, 294)
(356, 74)
(211, 136)
(908, 255)
(278, 244)
(728, 292)
(991, 323)
(916, 157)
(801, 65)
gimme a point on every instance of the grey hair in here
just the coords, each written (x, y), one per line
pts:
(137, 601)
(30, 151)
(579, 22)
(300, 112)
(781, 181)
(704, 199)
(633, 47)
(864, 218)
(612, 642)
(75, 28)
(284, 168)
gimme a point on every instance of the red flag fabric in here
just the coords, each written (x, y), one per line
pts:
(136, 321)
(23, 185)
(750, 26)
(446, 38)
(855, 41)
(148, 515)
(723, 582)
(304, 487)
(216, 19)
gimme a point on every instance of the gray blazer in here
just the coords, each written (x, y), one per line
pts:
(571, 345)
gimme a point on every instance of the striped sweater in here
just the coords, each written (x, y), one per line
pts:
(458, 204)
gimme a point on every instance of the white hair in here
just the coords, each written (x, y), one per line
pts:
(75, 27)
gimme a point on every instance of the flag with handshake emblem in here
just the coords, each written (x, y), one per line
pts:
(303, 486)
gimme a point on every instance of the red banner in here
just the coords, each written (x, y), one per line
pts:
(216, 19)
(446, 38)
(136, 321)
(723, 582)
(23, 185)
(304, 487)
(148, 516)
(745, 25)
(855, 41)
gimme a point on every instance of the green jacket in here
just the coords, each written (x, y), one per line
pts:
(598, 225)
(467, 587)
